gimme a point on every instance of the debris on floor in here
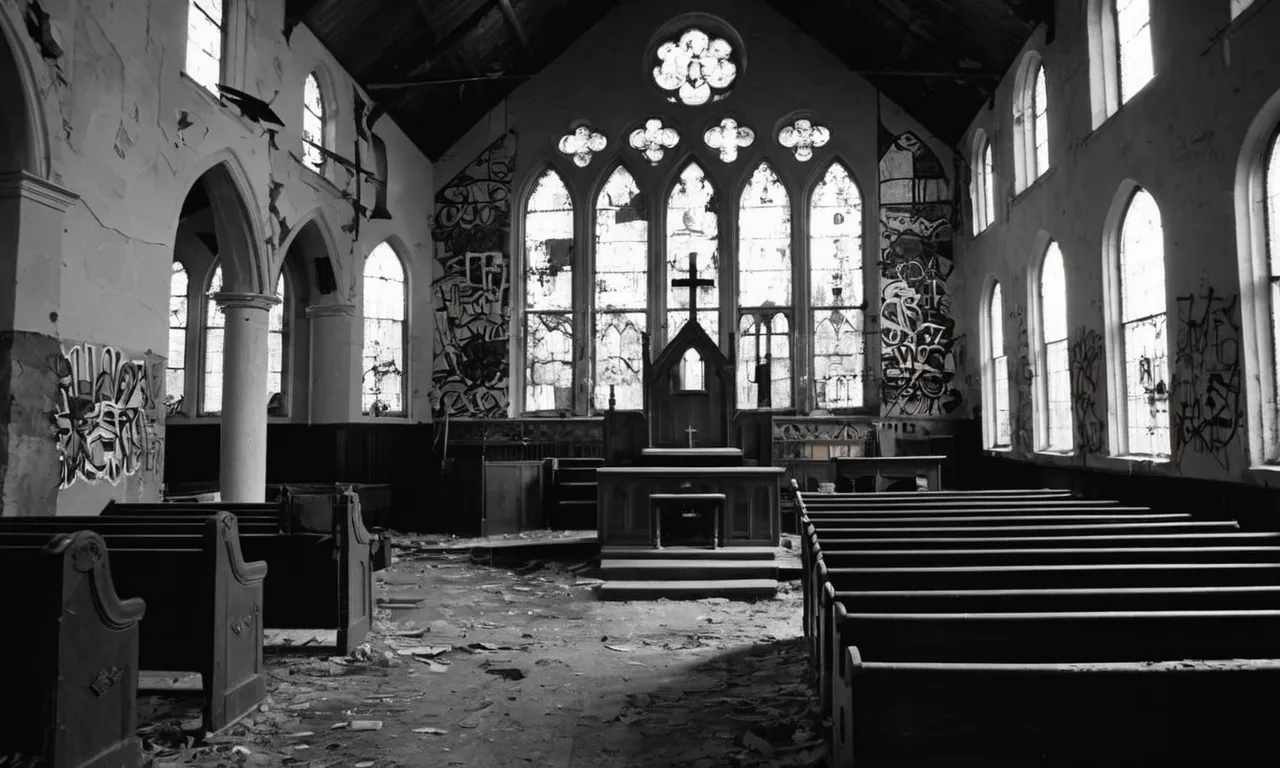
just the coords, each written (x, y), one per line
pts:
(472, 665)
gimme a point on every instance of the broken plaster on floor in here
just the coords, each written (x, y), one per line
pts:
(495, 667)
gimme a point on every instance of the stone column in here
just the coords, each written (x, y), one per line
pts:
(243, 475)
(334, 359)
(32, 214)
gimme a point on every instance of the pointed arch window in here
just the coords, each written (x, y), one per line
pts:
(764, 292)
(1055, 371)
(214, 335)
(621, 292)
(1143, 331)
(1040, 122)
(693, 230)
(1133, 46)
(836, 290)
(996, 391)
(205, 42)
(1030, 121)
(385, 308)
(277, 350)
(313, 124)
(1271, 223)
(548, 286)
(983, 189)
(175, 374)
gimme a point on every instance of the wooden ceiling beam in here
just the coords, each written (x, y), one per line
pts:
(510, 12)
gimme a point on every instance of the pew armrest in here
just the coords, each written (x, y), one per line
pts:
(88, 554)
(228, 534)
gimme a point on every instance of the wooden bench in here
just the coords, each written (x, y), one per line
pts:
(204, 603)
(1258, 597)
(320, 559)
(849, 468)
(71, 653)
(1101, 715)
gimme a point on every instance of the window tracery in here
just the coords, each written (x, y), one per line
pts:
(836, 290)
(802, 137)
(654, 139)
(548, 247)
(728, 137)
(696, 68)
(582, 143)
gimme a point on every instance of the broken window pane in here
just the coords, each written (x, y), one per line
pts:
(764, 358)
(276, 342)
(1133, 35)
(175, 385)
(205, 42)
(1040, 122)
(312, 124)
(383, 360)
(999, 371)
(214, 333)
(1142, 317)
(1053, 325)
(764, 291)
(835, 290)
(548, 244)
(621, 284)
(988, 187)
(693, 227)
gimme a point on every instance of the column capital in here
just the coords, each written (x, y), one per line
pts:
(330, 310)
(231, 300)
(28, 186)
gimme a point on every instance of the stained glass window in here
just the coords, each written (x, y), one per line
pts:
(214, 335)
(277, 342)
(693, 227)
(1133, 38)
(175, 384)
(1144, 328)
(383, 360)
(764, 292)
(548, 246)
(1040, 123)
(205, 42)
(622, 291)
(999, 372)
(835, 290)
(1271, 191)
(1056, 370)
(696, 68)
(312, 124)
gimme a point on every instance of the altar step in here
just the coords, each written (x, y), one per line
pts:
(575, 494)
(634, 573)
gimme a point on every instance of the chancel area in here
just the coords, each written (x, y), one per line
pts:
(640, 383)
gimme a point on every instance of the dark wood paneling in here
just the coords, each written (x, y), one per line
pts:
(512, 497)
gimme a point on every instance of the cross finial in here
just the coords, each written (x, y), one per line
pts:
(693, 283)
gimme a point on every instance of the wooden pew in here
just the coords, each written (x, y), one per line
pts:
(204, 603)
(941, 503)
(321, 563)
(1258, 597)
(1101, 715)
(71, 653)
(1047, 556)
(1064, 508)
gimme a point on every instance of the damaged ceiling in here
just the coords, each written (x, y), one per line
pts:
(438, 66)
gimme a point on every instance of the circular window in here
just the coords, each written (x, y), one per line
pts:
(696, 60)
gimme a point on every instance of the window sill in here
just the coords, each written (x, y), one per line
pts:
(1000, 450)
(217, 102)
(317, 178)
(1040, 181)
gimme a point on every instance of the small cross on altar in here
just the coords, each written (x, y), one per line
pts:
(690, 431)
(693, 283)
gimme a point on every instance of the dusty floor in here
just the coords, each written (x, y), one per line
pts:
(486, 666)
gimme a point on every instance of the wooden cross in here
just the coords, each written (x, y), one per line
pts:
(690, 432)
(693, 283)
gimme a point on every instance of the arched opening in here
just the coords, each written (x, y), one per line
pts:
(307, 273)
(17, 150)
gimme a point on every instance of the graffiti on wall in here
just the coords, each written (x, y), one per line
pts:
(920, 352)
(472, 287)
(1208, 407)
(1024, 376)
(108, 419)
(1084, 359)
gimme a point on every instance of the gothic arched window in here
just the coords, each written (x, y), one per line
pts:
(836, 291)
(764, 292)
(548, 287)
(621, 291)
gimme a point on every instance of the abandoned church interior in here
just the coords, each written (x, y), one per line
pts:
(641, 383)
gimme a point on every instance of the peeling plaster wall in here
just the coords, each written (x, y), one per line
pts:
(604, 78)
(1180, 138)
(130, 134)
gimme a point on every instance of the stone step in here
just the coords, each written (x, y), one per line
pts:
(686, 569)
(690, 553)
(688, 590)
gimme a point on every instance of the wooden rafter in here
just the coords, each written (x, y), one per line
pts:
(514, 21)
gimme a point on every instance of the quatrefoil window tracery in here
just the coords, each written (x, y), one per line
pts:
(697, 67)
(802, 137)
(654, 139)
(582, 143)
(728, 137)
